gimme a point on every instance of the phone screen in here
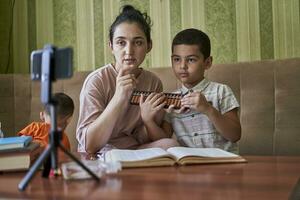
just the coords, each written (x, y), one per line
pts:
(63, 63)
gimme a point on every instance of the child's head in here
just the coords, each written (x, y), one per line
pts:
(193, 37)
(64, 110)
(130, 38)
(191, 56)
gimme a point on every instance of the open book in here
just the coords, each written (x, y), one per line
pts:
(174, 155)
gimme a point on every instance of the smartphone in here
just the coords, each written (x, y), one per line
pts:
(63, 63)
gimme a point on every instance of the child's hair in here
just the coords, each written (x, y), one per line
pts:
(132, 15)
(64, 105)
(193, 37)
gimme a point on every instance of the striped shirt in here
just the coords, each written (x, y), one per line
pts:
(194, 129)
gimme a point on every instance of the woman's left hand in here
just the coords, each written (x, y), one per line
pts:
(151, 106)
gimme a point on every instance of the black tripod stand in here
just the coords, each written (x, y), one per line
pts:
(49, 155)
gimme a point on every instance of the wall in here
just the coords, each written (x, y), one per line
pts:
(240, 30)
(5, 27)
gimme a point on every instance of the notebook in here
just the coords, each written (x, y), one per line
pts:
(19, 159)
(14, 142)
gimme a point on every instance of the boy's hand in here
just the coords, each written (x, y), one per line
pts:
(125, 84)
(182, 109)
(151, 106)
(196, 101)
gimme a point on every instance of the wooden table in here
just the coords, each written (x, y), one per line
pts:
(261, 178)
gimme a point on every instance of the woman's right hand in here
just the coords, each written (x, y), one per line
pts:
(125, 84)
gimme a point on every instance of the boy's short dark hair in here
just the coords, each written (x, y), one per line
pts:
(64, 105)
(193, 37)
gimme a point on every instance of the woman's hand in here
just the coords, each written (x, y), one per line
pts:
(125, 84)
(151, 106)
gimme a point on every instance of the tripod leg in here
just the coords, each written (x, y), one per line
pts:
(79, 162)
(24, 182)
(47, 166)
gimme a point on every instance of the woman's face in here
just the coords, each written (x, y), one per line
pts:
(129, 46)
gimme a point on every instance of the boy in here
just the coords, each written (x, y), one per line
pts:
(40, 130)
(209, 113)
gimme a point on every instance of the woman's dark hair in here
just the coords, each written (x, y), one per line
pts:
(193, 37)
(132, 15)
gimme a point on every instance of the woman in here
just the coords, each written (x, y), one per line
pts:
(106, 119)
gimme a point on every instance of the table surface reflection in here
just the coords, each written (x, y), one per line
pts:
(262, 177)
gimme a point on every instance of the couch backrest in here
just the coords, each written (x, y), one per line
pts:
(269, 95)
(268, 92)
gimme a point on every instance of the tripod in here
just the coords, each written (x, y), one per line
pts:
(49, 156)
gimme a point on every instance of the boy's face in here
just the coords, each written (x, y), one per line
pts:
(189, 65)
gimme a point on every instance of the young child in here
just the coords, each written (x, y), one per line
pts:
(209, 113)
(106, 119)
(40, 130)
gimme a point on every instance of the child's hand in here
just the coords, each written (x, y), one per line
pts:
(151, 106)
(182, 109)
(125, 84)
(196, 101)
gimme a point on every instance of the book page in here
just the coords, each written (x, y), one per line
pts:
(181, 152)
(134, 155)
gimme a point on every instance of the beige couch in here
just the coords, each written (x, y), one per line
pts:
(268, 92)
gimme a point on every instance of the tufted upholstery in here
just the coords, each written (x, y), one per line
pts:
(268, 92)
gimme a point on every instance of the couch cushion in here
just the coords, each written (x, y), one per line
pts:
(168, 78)
(287, 107)
(257, 108)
